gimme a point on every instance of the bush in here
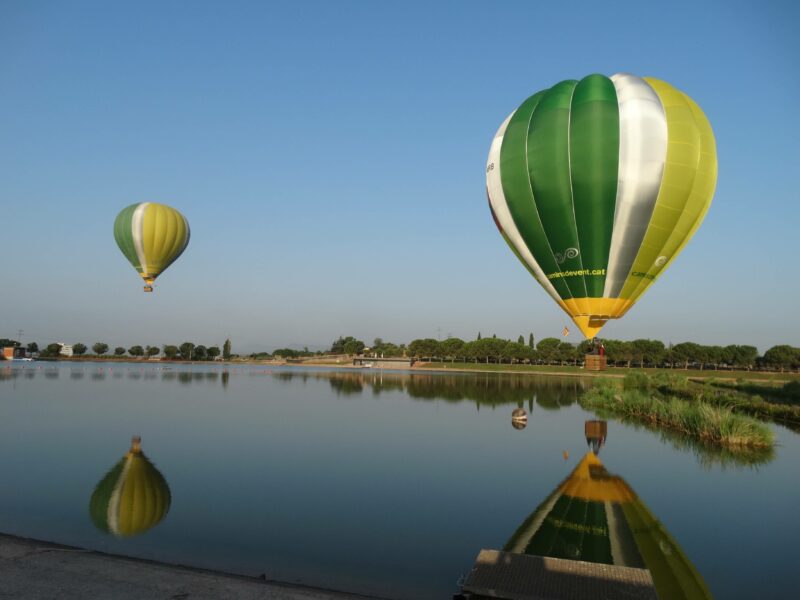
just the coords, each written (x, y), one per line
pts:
(637, 380)
(670, 381)
(792, 390)
(716, 424)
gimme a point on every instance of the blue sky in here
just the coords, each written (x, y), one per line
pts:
(330, 159)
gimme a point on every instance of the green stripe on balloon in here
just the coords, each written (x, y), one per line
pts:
(123, 234)
(98, 504)
(594, 164)
(549, 174)
(519, 194)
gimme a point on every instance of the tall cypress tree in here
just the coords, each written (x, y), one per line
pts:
(226, 349)
(530, 341)
(479, 335)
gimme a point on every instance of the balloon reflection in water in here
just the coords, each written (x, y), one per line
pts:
(595, 516)
(132, 498)
(519, 418)
(596, 432)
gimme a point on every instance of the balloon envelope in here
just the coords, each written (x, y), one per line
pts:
(597, 185)
(151, 236)
(595, 516)
(133, 496)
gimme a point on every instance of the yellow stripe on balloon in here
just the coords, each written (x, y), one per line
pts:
(697, 203)
(164, 234)
(681, 167)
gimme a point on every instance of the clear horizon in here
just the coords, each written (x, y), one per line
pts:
(330, 160)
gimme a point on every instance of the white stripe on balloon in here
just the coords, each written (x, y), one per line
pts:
(137, 223)
(642, 155)
(494, 187)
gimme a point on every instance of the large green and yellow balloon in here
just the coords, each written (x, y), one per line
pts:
(597, 185)
(594, 516)
(151, 236)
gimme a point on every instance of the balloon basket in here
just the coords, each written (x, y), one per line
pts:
(594, 362)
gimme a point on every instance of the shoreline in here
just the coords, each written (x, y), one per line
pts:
(439, 367)
(40, 569)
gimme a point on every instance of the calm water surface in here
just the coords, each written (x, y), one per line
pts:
(369, 481)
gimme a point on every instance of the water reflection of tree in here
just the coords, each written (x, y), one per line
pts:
(481, 388)
(287, 376)
(347, 386)
(488, 389)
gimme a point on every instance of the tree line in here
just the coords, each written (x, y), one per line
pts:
(548, 351)
(639, 353)
(553, 351)
(341, 345)
(185, 351)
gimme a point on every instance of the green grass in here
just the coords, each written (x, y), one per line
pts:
(780, 404)
(712, 424)
(788, 393)
(612, 371)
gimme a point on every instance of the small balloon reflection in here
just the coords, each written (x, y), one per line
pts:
(519, 418)
(595, 432)
(133, 496)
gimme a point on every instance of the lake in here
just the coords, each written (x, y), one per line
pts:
(379, 482)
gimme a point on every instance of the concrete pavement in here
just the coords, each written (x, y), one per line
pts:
(31, 569)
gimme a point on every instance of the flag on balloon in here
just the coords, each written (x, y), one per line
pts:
(565, 332)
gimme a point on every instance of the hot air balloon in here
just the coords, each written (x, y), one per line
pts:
(595, 516)
(151, 236)
(597, 185)
(596, 433)
(133, 496)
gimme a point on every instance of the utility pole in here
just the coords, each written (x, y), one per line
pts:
(439, 333)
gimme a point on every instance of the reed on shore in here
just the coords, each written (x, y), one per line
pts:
(775, 402)
(715, 424)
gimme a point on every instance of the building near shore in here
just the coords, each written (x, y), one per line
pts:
(397, 362)
(12, 352)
